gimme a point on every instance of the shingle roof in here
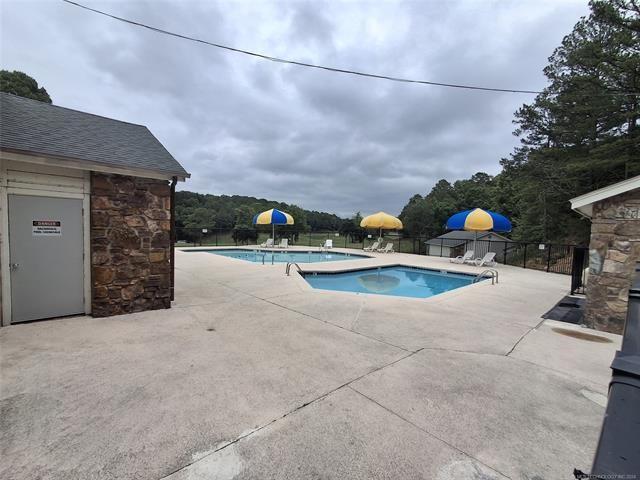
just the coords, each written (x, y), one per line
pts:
(33, 127)
(458, 237)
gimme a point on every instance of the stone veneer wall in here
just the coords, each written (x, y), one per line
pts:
(130, 244)
(613, 251)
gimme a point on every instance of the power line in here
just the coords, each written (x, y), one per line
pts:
(312, 65)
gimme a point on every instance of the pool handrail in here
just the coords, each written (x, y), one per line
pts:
(288, 269)
(492, 273)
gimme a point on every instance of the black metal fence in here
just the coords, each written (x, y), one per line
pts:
(549, 257)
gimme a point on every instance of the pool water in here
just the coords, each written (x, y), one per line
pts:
(274, 256)
(394, 281)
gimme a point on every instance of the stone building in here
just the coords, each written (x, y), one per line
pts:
(614, 249)
(86, 214)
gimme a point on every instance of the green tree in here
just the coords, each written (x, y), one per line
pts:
(22, 85)
(581, 133)
(197, 210)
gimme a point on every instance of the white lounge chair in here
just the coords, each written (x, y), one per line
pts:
(284, 243)
(468, 255)
(328, 243)
(387, 249)
(373, 247)
(487, 260)
(268, 243)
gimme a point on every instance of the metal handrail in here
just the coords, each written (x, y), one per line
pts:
(264, 254)
(288, 269)
(493, 273)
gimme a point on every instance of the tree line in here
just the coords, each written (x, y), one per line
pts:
(580, 134)
(197, 210)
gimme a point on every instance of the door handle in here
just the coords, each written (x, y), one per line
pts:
(13, 267)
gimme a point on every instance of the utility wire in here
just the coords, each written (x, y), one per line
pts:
(312, 65)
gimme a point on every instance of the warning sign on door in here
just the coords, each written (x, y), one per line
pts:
(47, 228)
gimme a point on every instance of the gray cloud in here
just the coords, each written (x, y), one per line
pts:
(324, 141)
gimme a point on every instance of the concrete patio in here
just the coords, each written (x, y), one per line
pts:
(253, 374)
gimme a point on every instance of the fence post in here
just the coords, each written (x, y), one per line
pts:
(441, 245)
(399, 244)
(216, 238)
(548, 257)
(504, 252)
(524, 258)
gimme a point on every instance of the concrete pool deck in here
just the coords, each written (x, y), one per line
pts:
(253, 374)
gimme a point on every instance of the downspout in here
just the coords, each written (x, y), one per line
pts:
(172, 235)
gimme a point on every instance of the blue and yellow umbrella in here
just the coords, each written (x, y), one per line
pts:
(273, 217)
(478, 220)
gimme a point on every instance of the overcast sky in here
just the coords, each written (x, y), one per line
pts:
(321, 140)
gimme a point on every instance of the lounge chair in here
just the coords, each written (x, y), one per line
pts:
(268, 243)
(284, 243)
(487, 260)
(373, 247)
(328, 243)
(468, 255)
(387, 249)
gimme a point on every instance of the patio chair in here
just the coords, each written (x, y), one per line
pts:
(487, 260)
(284, 243)
(387, 249)
(328, 243)
(468, 255)
(268, 243)
(373, 247)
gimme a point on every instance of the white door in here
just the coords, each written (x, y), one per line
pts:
(45, 257)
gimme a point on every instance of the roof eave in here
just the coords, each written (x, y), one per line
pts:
(83, 164)
(584, 203)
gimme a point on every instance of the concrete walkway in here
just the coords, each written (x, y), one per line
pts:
(253, 374)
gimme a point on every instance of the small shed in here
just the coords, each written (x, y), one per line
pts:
(454, 243)
(86, 214)
(614, 250)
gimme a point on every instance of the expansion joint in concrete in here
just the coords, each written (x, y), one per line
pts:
(290, 412)
(406, 420)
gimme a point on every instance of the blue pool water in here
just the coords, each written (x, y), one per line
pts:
(395, 281)
(271, 256)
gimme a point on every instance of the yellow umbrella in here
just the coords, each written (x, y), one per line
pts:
(382, 221)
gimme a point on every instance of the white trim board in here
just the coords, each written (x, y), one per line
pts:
(584, 203)
(86, 165)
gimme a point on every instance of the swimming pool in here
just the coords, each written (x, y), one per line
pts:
(275, 256)
(398, 281)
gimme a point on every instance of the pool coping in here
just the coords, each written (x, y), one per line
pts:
(391, 265)
(299, 278)
(334, 267)
(274, 250)
(290, 250)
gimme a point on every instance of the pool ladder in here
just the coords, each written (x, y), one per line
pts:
(490, 272)
(288, 269)
(264, 254)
